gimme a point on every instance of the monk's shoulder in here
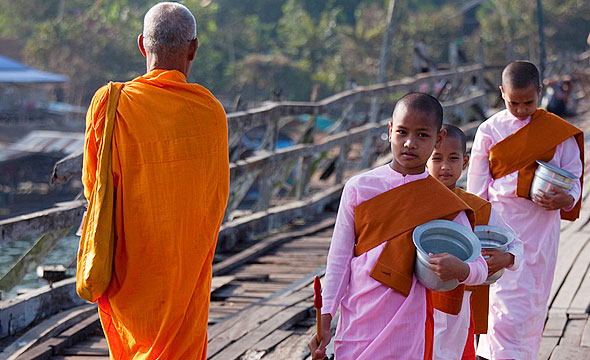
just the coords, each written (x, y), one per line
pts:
(97, 106)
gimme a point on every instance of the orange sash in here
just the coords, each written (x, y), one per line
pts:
(444, 301)
(392, 216)
(480, 294)
(537, 140)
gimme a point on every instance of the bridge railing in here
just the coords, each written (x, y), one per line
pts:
(293, 182)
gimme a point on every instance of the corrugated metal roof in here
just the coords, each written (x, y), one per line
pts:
(12, 71)
(41, 141)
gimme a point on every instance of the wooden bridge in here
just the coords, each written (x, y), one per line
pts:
(267, 255)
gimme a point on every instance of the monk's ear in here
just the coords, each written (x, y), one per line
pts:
(140, 45)
(390, 130)
(502, 91)
(440, 137)
(465, 161)
(192, 48)
(539, 90)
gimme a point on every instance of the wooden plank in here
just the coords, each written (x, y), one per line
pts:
(46, 329)
(573, 333)
(63, 215)
(547, 346)
(233, 328)
(272, 340)
(570, 353)
(285, 317)
(220, 281)
(585, 341)
(267, 245)
(555, 325)
(565, 260)
(573, 280)
(580, 305)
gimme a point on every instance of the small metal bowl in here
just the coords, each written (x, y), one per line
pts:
(548, 176)
(440, 236)
(496, 238)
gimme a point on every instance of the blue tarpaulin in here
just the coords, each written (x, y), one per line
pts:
(12, 71)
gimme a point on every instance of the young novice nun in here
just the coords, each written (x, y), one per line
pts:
(370, 269)
(503, 162)
(454, 331)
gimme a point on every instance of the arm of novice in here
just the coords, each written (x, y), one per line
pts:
(569, 159)
(515, 248)
(341, 252)
(478, 174)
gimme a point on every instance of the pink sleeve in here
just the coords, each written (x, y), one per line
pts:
(340, 254)
(478, 174)
(515, 247)
(569, 159)
(478, 269)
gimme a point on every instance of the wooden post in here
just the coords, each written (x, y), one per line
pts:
(264, 191)
(342, 162)
(305, 170)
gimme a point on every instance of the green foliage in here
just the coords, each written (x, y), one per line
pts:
(252, 47)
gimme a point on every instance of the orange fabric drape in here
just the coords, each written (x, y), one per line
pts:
(535, 141)
(482, 210)
(171, 176)
(374, 225)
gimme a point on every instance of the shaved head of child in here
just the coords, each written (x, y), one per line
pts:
(414, 131)
(520, 88)
(449, 159)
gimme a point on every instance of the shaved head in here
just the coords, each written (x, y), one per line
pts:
(520, 75)
(455, 132)
(168, 27)
(423, 102)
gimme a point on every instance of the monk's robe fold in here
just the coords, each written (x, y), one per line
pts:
(537, 140)
(171, 174)
(392, 216)
(480, 297)
(444, 300)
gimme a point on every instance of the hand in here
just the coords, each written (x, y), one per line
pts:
(319, 352)
(558, 200)
(448, 267)
(497, 260)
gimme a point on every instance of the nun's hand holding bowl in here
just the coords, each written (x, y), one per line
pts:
(554, 200)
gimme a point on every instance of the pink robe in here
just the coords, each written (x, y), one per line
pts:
(375, 321)
(453, 329)
(518, 300)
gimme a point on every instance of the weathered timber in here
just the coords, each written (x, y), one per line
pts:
(67, 167)
(264, 246)
(275, 217)
(46, 329)
(18, 313)
(64, 215)
(31, 258)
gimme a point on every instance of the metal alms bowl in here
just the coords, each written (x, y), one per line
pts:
(547, 176)
(497, 238)
(439, 236)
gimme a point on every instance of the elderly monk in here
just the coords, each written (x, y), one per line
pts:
(171, 177)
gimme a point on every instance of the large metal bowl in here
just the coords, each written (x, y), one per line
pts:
(440, 236)
(496, 238)
(548, 176)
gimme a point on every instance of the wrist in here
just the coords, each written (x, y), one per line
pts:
(464, 273)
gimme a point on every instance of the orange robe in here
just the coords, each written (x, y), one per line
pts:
(171, 174)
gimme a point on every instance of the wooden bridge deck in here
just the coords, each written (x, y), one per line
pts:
(262, 297)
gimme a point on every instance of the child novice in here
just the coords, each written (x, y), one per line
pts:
(370, 267)
(503, 162)
(454, 331)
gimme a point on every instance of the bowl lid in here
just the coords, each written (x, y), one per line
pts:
(449, 226)
(557, 170)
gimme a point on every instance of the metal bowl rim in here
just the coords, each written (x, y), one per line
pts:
(498, 230)
(556, 170)
(450, 225)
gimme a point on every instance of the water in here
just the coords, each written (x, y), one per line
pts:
(64, 254)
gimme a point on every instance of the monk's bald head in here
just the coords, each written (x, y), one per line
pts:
(168, 28)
